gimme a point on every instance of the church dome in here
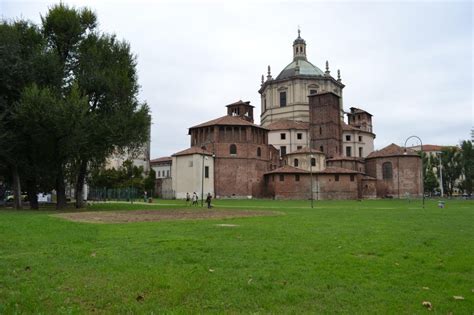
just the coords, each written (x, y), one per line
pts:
(304, 68)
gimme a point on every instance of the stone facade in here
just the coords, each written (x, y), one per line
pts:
(288, 135)
(286, 96)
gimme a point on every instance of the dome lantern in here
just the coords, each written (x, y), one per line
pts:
(299, 47)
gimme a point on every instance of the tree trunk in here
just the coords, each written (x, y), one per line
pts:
(16, 188)
(60, 190)
(32, 193)
(79, 191)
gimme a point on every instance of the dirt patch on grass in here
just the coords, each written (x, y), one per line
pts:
(159, 215)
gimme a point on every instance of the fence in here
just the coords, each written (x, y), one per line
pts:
(104, 194)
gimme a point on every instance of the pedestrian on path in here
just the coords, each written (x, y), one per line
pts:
(188, 198)
(195, 199)
(208, 200)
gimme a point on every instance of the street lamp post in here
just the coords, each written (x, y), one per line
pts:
(311, 175)
(441, 176)
(202, 181)
(422, 178)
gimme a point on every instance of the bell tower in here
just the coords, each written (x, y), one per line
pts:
(242, 109)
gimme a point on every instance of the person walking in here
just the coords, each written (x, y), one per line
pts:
(208, 200)
(195, 199)
(188, 198)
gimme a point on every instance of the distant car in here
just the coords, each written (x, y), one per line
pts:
(10, 198)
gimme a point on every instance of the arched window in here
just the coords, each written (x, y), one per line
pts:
(259, 151)
(295, 162)
(313, 162)
(233, 149)
(387, 170)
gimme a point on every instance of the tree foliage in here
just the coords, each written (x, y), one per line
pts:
(69, 99)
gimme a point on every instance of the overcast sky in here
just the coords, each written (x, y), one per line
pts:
(407, 63)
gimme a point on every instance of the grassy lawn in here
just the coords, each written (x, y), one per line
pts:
(340, 257)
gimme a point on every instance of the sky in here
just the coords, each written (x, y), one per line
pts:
(408, 63)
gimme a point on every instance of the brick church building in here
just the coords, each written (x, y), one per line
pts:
(302, 149)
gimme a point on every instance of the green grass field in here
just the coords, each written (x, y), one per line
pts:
(383, 257)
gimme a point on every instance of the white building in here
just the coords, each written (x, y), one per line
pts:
(193, 171)
(162, 167)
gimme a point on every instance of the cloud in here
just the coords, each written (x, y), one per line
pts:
(407, 63)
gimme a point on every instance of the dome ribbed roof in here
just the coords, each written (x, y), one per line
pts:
(305, 68)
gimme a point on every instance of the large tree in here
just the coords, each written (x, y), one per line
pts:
(467, 165)
(452, 168)
(23, 61)
(74, 89)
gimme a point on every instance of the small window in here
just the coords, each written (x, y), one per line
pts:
(282, 177)
(321, 148)
(206, 172)
(387, 170)
(311, 92)
(233, 149)
(297, 177)
(282, 150)
(282, 99)
(336, 178)
(167, 173)
(299, 147)
(295, 162)
(299, 136)
(348, 151)
(190, 163)
(259, 152)
(360, 138)
(348, 138)
(352, 177)
(360, 152)
(313, 162)
(320, 130)
(282, 136)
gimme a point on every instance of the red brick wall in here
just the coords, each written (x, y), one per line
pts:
(406, 176)
(348, 164)
(289, 188)
(241, 175)
(369, 188)
(325, 123)
(327, 188)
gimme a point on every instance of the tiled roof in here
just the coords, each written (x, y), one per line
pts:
(429, 147)
(391, 150)
(349, 128)
(337, 170)
(288, 124)
(287, 169)
(240, 102)
(227, 120)
(355, 110)
(305, 150)
(161, 160)
(367, 177)
(345, 158)
(193, 150)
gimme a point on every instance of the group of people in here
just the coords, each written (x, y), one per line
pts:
(193, 200)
